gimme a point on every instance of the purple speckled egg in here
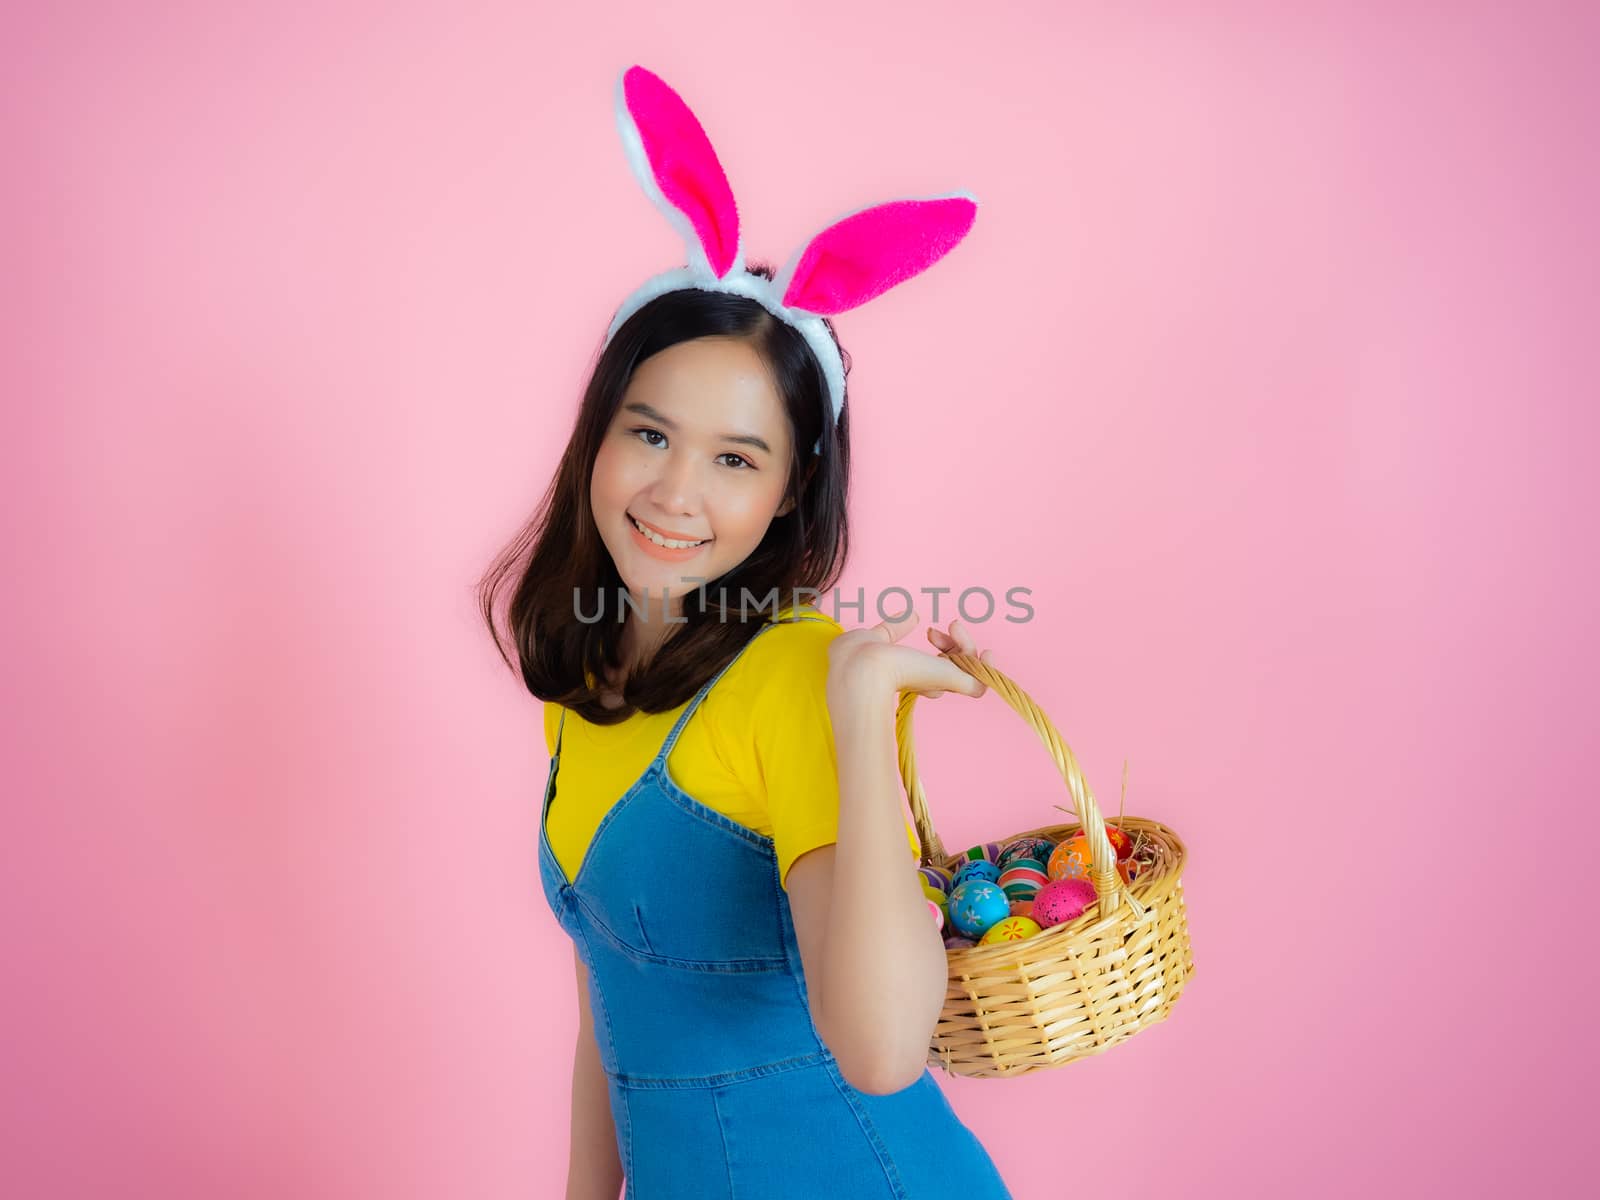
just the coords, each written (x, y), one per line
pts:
(1062, 900)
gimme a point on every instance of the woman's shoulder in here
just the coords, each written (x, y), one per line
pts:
(796, 630)
(805, 615)
(789, 655)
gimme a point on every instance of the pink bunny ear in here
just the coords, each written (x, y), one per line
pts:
(867, 253)
(672, 158)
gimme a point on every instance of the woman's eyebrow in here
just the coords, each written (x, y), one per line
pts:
(741, 439)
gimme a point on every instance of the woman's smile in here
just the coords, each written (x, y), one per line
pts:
(655, 549)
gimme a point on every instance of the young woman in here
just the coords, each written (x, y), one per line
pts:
(722, 837)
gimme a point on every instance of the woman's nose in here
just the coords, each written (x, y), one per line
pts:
(677, 488)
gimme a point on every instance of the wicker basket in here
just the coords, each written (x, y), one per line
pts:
(1075, 989)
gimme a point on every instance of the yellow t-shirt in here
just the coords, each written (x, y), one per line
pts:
(758, 750)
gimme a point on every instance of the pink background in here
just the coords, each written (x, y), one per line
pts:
(1270, 390)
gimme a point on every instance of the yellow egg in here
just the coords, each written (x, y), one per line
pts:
(1010, 929)
(934, 894)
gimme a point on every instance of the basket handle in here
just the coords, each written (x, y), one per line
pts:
(1108, 885)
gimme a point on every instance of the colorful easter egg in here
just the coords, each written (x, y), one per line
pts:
(977, 904)
(938, 914)
(1025, 847)
(1062, 900)
(1022, 908)
(1012, 929)
(938, 876)
(987, 852)
(1023, 878)
(957, 942)
(1071, 859)
(976, 869)
(1120, 842)
(933, 893)
(1130, 869)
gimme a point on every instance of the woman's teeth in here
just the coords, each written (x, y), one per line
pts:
(669, 543)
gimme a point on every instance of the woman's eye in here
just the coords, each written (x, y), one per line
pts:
(744, 464)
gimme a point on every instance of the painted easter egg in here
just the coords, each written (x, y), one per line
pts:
(1120, 842)
(938, 876)
(1012, 929)
(1062, 900)
(987, 852)
(977, 869)
(1023, 878)
(956, 942)
(1022, 908)
(938, 914)
(933, 893)
(977, 904)
(1071, 859)
(1025, 847)
(1130, 869)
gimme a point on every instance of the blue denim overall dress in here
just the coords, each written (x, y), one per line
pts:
(720, 1086)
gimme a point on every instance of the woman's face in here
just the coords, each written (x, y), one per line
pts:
(698, 451)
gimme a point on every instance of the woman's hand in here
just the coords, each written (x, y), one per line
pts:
(869, 664)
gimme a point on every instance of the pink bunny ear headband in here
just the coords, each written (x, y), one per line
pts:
(854, 259)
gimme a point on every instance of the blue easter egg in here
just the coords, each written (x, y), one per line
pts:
(977, 904)
(976, 869)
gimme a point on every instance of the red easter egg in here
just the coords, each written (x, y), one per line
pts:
(1120, 842)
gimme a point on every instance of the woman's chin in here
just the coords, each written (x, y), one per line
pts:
(655, 585)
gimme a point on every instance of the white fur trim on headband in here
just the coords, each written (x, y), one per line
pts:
(753, 287)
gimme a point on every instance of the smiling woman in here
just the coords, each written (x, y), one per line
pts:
(690, 427)
(762, 974)
(701, 501)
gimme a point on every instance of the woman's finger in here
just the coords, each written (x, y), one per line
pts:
(960, 681)
(963, 638)
(896, 628)
(916, 671)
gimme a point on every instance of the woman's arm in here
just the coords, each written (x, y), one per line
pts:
(882, 969)
(594, 1168)
(875, 963)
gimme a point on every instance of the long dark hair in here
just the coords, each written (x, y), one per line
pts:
(559, 548)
